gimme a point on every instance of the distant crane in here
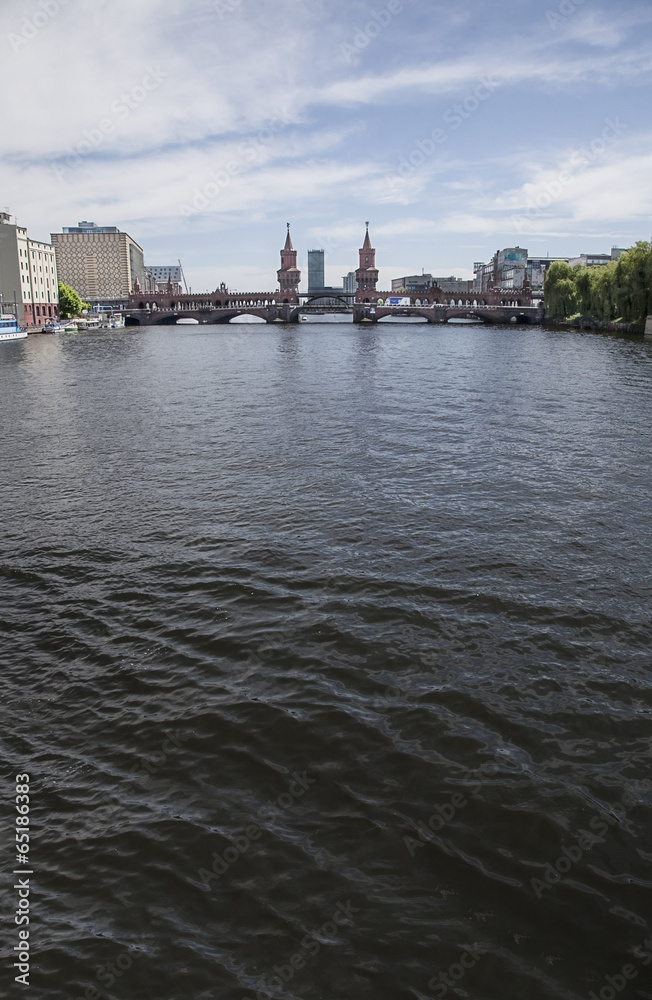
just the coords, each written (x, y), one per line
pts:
(185, 284)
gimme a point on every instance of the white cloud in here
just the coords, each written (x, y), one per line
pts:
(454, 76)
(571, 195)
(219, 81)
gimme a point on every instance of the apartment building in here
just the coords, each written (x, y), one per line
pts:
(101, 263)
(28, 275)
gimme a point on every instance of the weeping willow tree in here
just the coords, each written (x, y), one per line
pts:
(560, 291)
(622, 290)
(633, 283)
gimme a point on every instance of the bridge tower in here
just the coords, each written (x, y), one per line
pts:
(367, 273)
(289, 275)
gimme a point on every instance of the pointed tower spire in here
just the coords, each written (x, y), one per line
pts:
(367, 273)
(289, 275)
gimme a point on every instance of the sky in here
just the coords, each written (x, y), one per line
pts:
(201, 127)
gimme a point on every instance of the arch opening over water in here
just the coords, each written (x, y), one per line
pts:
(247, 318)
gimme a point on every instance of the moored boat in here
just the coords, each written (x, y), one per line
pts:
(9, 329)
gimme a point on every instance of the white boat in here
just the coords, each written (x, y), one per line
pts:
(52, 328)
(187, 321)
(9, 328)
(114, 322)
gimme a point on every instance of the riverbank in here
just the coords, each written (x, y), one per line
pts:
(581, 323)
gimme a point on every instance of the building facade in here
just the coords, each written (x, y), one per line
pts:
(537, 268)
(412, 283)
(28, 276)
(159, 277)
(101, 263)
(596, 259)
(316, 270)
(506, 269)
(424, 282)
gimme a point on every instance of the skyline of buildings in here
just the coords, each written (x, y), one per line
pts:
(105, 266)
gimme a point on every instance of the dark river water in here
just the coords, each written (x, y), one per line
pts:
(327, 652)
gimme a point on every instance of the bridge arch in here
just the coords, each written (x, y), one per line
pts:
(251, 316)
(327, 298)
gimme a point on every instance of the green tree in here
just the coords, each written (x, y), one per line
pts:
(619, 290)
(70, 304)
(603, 293)
(584, 284)
(633, 291)
(560, 291)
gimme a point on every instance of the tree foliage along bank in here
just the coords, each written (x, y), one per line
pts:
(70, 303)
(621, 290)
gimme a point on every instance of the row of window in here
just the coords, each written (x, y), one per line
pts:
(34, 252)
(23, 265)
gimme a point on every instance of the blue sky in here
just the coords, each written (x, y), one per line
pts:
(201, 126)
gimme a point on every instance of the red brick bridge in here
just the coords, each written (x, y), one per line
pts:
(368, 305)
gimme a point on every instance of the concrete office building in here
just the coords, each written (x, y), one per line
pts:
(28, 276)
(159, 278)
(424, 282)
(537, 268)
(412, 283)
(596, 259)
(101, 263)
(316, 270)
(507, 269)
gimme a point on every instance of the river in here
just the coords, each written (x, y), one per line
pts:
(327, 651)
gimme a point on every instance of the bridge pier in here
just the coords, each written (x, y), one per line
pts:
(282, 314)
(363, 314)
